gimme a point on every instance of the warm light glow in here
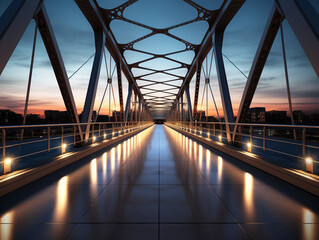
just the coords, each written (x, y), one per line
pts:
(208, 135)
(207, 163)
(104, 135)
(61, 198)
(248, 194)
(219, 169)
(309, 160)
(200, 157)
(6, 229)
(94, 138)
(113, 166)
(119, 149)
(93, 176)
(308, 226)
(104, 165)
(220, 138)
(8, 162)
(249, 147)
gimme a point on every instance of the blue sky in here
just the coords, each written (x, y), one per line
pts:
(76, 41)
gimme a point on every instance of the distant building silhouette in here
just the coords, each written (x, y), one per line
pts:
(34, 119)
(8, 117)
(300, 117)
(55, 116)
(279, 117)
(256, 115)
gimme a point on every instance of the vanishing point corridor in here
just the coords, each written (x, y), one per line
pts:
(159, 184)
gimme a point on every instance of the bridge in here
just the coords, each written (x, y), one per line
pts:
(169, 138)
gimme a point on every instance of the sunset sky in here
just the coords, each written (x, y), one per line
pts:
(76, 41)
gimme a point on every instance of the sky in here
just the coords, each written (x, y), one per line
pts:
(76, 41)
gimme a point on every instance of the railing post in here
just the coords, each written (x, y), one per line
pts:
(3, 144)
(62, 136)
(74, 135)
(251, 134)
(99, 129)
(303, 142)
(214, 129)
(49, 141)
(264, 138)
(92, 130)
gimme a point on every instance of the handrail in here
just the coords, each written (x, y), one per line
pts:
(256, 138)
(54, 137)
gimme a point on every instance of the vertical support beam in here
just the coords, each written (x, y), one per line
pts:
(128, 101)
(139, 109)
(182, 107)
(198, 72)
(135, 108)
(178, 110)
(119, 81)
(189, 104)
(13, 23)
(222, 79)
(94, 79)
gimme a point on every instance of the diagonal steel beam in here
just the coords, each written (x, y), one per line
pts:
(13, 23)
(226, 13)
(259, 62)
(91, 11)
(189, 103)
(128, 101)
(94, 79)
(303, 19)
(119, 81)
(198, 73)
(222, 80)
(57, 63)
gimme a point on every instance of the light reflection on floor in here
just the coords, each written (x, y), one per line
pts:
(159, 183)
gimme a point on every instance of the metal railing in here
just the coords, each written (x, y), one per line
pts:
(41, 143)
(292, 146)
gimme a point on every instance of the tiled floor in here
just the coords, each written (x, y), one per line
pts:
(159, 185)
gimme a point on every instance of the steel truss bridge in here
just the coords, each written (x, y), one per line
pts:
(150, 98)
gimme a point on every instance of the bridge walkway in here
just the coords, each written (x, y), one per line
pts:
(159, 184)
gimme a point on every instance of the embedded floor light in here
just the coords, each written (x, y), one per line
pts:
(309, 164)
(249, 147)
(8, 161)
(7, 165)
(63, 148)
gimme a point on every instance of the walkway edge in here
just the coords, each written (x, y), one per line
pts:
(22, 178)
(303, 181)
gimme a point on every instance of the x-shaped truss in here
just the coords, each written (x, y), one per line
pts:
(159, 99)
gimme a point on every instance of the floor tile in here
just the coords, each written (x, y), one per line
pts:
(282, 231)
(34, 231)
(201, 232)
(192, 204)
(125, 204)
(115, 231)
